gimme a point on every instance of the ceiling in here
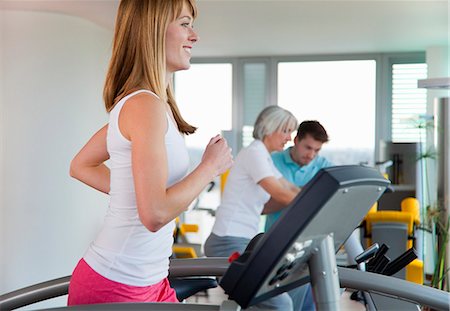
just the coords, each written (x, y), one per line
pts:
(296, 27)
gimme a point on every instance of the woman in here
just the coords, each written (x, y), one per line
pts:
(252, 181)
(146, 178)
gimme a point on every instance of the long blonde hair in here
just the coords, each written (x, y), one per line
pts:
(138, 58)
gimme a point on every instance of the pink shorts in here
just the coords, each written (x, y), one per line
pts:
(88, 287)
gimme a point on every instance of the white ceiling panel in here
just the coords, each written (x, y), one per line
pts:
(260, 28)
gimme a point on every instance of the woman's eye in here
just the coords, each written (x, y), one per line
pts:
(185, 25)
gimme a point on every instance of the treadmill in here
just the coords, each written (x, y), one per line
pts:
(299, 248)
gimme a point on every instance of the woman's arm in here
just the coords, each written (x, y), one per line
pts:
(289, 185)
(88, 165)
(280, 190)
(143, 121)
(272, 206)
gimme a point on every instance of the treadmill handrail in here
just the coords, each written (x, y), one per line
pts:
(350, 278)
(382, 284)
(211, 266)
(60, 287)
(35, 293)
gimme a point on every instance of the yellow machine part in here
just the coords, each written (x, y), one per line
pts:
(409, 215)
(223, 180)
(183, 250)
(414, 271)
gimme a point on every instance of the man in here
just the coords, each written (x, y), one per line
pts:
(299, 163)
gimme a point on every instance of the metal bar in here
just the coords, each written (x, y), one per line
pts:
(355, 279)
(35, 293)
(147, 306)
(382, 284)
(443, 134)
(59, 287)
(213, 266)
(324, 276)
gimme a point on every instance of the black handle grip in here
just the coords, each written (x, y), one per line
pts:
(400, 262)
(367, 254)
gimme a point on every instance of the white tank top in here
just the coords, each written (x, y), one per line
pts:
(125, 250)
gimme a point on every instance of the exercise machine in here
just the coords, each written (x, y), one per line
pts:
(299, 248)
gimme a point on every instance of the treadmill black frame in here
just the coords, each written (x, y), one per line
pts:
(248, 273)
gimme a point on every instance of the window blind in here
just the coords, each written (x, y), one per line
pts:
(409, 103)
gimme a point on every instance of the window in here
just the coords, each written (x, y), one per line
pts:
(341, 96)
(227, 94)
(204, 97)
(409, 103)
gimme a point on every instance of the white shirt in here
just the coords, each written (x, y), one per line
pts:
(243, 199)
(125, 251)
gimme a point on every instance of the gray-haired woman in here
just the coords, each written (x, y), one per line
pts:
(252, 181)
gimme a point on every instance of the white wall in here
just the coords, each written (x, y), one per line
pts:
(2, 224)
(52, 78)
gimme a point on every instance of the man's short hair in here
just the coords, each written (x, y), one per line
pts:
(314, 129)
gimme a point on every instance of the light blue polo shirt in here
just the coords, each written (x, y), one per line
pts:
(294, 173)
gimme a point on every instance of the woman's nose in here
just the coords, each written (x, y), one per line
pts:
(194, 36)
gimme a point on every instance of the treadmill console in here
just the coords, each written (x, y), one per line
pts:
(334, 202)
